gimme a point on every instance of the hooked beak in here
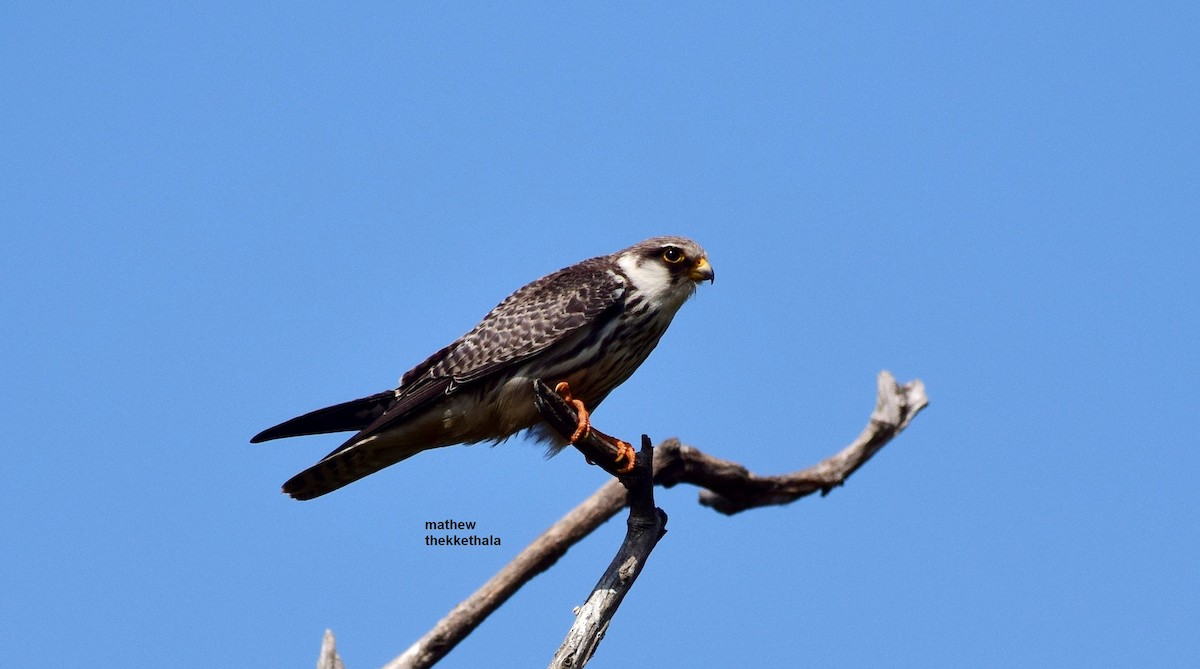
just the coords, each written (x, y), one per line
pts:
(702, 271)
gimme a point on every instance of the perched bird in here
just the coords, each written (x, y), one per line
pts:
(583, 330)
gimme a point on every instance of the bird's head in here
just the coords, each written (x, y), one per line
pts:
(666, 269)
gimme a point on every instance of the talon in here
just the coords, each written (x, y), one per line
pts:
(625, 452)
(584, 425)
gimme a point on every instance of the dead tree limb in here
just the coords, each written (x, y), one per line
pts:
(728, 488)
(645, 526)
(329, 658)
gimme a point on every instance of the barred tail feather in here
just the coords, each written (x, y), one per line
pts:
(343, 467)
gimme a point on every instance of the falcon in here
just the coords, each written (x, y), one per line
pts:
(582, 330)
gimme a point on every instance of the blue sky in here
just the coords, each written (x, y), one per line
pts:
(219, 216)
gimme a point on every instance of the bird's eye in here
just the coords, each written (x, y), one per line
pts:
(672, 255)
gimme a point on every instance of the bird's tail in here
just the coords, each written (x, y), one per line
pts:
(344, 466)
(345, 417)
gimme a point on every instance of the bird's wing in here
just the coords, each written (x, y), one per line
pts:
(534, 318)
(526, 323)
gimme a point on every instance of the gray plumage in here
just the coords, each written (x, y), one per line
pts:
(591, 324)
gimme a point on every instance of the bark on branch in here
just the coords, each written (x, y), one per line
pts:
(727, 487)
(329, 658)
(646, 525)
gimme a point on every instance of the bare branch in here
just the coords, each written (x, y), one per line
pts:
(328, 659)
(646, 525)
(729, 488)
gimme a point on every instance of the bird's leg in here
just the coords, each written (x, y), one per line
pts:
(625, 450)
(584, 423)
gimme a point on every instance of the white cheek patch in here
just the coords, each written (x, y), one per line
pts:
(650, 278)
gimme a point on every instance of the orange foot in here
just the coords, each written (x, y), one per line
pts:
(584, 424)
(625, 452)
